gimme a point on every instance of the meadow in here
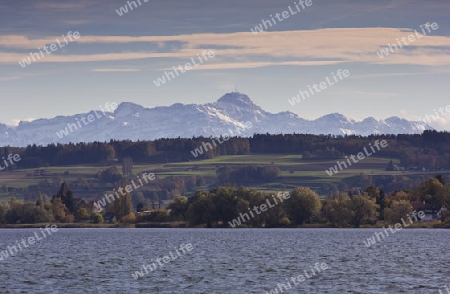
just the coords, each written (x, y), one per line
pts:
(294, 172)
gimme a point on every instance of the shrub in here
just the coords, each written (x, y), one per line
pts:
(129, 219)
(97, 218)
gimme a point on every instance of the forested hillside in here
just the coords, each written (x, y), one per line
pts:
(430, 150)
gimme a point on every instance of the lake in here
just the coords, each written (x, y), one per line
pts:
(226, 261)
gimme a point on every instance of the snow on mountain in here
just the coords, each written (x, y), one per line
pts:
(226, 116)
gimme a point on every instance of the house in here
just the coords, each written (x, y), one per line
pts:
(144, 212)
(398, 168)
(79, 202)
(432, 211)
(91, 208)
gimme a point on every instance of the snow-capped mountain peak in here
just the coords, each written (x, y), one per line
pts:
(237, 99)
(230, 112)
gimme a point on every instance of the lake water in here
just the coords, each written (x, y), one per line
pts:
(226, 261)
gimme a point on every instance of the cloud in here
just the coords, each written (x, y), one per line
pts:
(4, 79)
(115, 70)
(15, 57)
(76, 21)
(247, 50)
(440, 120)
(62, 6)
(233, 65)
(393, 74)
(441, 123)
(24, 42)
(15, 122)
(378, 95)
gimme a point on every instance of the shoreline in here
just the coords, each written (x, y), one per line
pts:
(183, 225)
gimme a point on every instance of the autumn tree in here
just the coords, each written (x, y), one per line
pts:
(275, 216)
(400, 195)
(397, 211)
(337, 211)
(122, 206)
(97, 218)
(109, 175)
(431, 191)
(363, 209)
(3, 209)
(224, 200)
(13, 215)
(256, 198)
(59, 210)
(200, 209)
(302, 205)
(43, 210)
(82, 214)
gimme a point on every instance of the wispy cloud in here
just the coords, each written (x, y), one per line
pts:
(233, 65)
(323, 46)
(391, 74)
(76, 21)
(15, 57)
(378, 95)
(115, 70)
(63, 5)
(4, 79)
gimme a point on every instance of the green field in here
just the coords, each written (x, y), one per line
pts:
(295, 172)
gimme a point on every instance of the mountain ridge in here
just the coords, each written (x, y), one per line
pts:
(135, 122)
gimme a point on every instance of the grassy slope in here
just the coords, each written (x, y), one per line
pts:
(309, 173)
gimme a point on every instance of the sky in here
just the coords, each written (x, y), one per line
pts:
(118, 58)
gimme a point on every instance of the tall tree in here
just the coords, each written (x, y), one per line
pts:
(123, 205)
(59, 210)
(127, 166)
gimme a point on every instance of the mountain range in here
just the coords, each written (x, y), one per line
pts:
(228, 116)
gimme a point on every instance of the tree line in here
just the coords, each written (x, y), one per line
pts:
(221, 205)
(430, 149)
